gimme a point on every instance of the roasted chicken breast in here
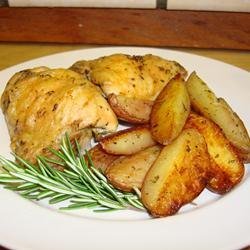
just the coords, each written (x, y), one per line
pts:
(141, 77)
(130, 79)
(41, 104)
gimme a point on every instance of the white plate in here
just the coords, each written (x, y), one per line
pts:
(216, 223)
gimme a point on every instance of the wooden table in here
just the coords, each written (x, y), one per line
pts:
(13, 53)
(151, 27)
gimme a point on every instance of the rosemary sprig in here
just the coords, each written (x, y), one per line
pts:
(82, 185)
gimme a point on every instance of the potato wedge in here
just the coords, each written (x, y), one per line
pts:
(128, 141)
(226, 168)
(135, 111)
(178, 175)
(170, 111)
(129, 171)
(101, 160)
(244, 157)
(205, 102)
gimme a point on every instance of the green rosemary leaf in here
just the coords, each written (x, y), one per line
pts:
(89, 158)
(82, 200)
(30, 191)
(45, 194)
(68, 146)
(91, 183)
(57, 153)
(112, 192)
(80, 183)
(70, 174)
(73, 167)
(50, 172)
(134, 203)
(83, 164)
(28, 171)
(59, 198)
(49, 180)
(80, 205)
(2, 175)
(9, 165)
(10, 187)
(26, 177)
(67, 154)
(110, 204)
(9, 180)
(106, 194)
(79, 151)
(52, 160)
(85, 183)
(27, 164)
(85, 193)
(93, 176)
(45, 167)
(99, 174)
(29, 196)
(42, 168)
(104, 210)
(55, 188)
(26, 185)
(62, 179)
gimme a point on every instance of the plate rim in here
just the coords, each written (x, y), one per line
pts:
(9, 69)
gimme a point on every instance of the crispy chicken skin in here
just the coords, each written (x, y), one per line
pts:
(141, 77)
(41, 104)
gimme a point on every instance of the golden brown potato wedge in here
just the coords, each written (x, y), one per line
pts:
(128, 172)
(128, 141)
(178, 175)
(129, 109)
(226, 169)
(244, 157)
(101, 160)
(170, 111)
(205, 102)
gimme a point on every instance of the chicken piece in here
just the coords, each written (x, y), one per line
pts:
(41, 104)
(130, 80)
(141, 77)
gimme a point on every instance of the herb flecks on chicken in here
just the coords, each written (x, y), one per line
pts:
(41, 104)
(141, 77)
(131, 83)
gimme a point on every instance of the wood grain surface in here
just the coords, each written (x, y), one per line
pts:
(155, 27)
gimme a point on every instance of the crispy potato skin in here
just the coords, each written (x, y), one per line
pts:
(170, 111)
(135, 111)
(245, 157)
(129, 171)
(205, 102)
(101, 160)
(128, 141)
(178, 175)
(226, 168)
